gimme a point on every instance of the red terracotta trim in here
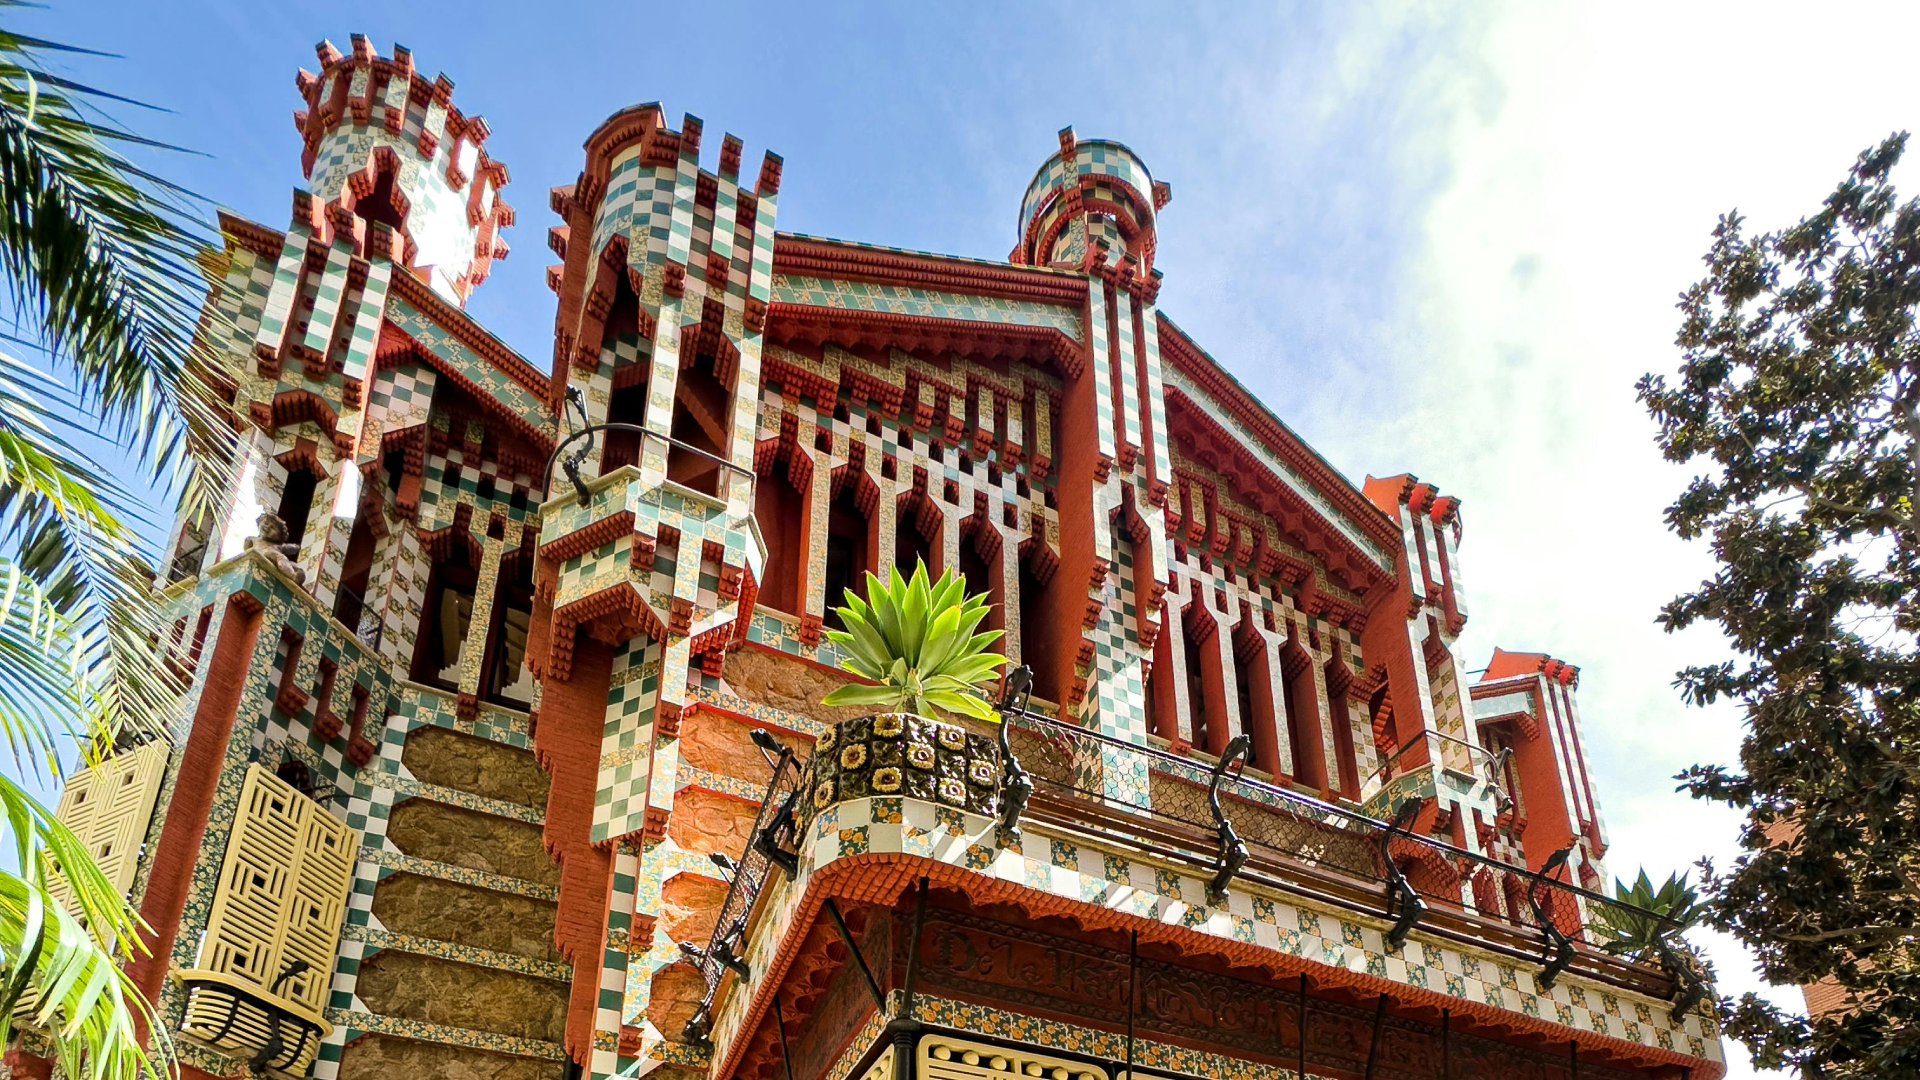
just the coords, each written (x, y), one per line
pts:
(1181, 351)
(797, 254)
(253, 236)
(471, 334)
(395, 340)
(815, 325)
(197, 776)
(883, 877)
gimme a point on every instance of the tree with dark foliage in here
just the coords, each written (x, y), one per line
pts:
(1799, 395)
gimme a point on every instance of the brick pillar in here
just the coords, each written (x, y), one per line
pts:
(186, 814)
(567, 740)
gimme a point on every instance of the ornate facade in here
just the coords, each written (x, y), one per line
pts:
(514, 767)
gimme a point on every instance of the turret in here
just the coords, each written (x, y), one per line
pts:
(388, 145)
(1091, 205)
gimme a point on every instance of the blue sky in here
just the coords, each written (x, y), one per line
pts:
(1442, 239)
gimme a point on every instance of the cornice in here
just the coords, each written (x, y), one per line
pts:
(797, 254)
(1208, 375)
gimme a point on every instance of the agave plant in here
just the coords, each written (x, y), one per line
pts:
(1646, 916)
(919, 642)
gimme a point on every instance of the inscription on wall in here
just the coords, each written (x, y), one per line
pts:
(1019, 968)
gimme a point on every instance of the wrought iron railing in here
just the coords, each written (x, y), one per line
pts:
(1087, 778)
(1430, 748)
(1206, 812)
(771, 848)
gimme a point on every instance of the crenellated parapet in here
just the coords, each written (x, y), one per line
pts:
(384, 143)
(1525, 706)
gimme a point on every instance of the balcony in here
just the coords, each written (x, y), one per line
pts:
(1188, 856)
(633, 552)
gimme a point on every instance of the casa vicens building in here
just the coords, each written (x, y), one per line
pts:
(507, 758)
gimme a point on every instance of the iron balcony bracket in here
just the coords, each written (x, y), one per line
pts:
(767, 841)
(1401, 895)
(1016, 787)
(1559, 947)
(1232, 852)
(783, 826)
(726, 948)
(1689, 990)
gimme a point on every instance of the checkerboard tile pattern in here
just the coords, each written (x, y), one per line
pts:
(1176, 895)
(626, 742)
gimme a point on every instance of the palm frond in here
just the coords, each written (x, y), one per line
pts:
(67, 963)
(101, 255)
(67, 525)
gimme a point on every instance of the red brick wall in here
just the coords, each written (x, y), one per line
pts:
(186, 814)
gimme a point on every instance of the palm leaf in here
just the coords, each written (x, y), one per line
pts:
(69, 962)
(101, 260)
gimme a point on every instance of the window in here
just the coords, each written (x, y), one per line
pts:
(350, 603)
(1039, 635)
(446, 619)
(848, 553)
(1303, 717)
(192, 552)
(1253, 679)
(296, 503)
(1207, 686)
(512, 681)
(702, 413)
(1163, 715)
(627, 405)
(911, 547)
(983, 579)
(1339, 681)
(509, 679)
(1197, 692)
(779, 510)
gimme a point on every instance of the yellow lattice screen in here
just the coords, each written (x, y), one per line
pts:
(941, 1057)
(109, 806)
(276, 918)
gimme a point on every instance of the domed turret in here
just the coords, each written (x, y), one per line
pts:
(1091, 205)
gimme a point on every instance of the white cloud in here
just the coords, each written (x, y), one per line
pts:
(1579, 200)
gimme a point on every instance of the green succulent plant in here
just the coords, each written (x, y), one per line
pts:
(920, 642)
(1629, 931)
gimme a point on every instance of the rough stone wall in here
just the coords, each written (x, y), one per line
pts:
(468, 838)
(466, 763)
(466, 914)
(381, 1057)
(435, 991)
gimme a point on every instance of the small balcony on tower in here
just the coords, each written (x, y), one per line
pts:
(637, 550)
